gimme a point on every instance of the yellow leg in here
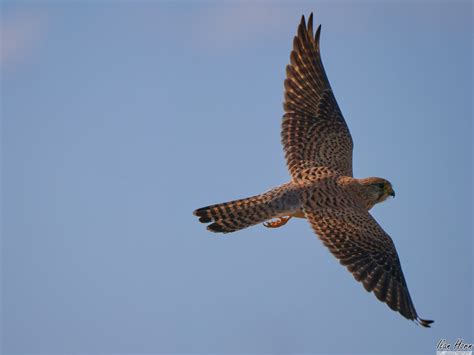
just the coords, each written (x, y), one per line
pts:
(277, 222)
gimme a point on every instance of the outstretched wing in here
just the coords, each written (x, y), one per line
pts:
(314, 133)
(356, 239)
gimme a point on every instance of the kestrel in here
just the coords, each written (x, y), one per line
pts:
(318, 151)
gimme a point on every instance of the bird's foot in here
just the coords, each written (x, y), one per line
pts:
(277, 222)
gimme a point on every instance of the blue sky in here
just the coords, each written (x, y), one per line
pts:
(119, 119)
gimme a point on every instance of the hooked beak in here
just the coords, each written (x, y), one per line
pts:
(392, 193)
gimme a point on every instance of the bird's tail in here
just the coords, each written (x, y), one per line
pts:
(239, 214)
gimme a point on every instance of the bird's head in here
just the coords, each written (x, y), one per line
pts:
(376, 190)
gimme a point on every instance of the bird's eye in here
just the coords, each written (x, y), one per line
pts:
(381, 185)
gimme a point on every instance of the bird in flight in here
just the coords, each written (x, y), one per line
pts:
(318, 151)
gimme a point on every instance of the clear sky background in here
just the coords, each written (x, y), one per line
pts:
(119, 119)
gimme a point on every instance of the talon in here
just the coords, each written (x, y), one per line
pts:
(278, 222)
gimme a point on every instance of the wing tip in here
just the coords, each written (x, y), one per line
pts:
(426, 323)
(308, 28)
(303, 21)
(310, 25)
(317, 36)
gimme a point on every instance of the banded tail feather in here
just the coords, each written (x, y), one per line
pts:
(235, 215)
